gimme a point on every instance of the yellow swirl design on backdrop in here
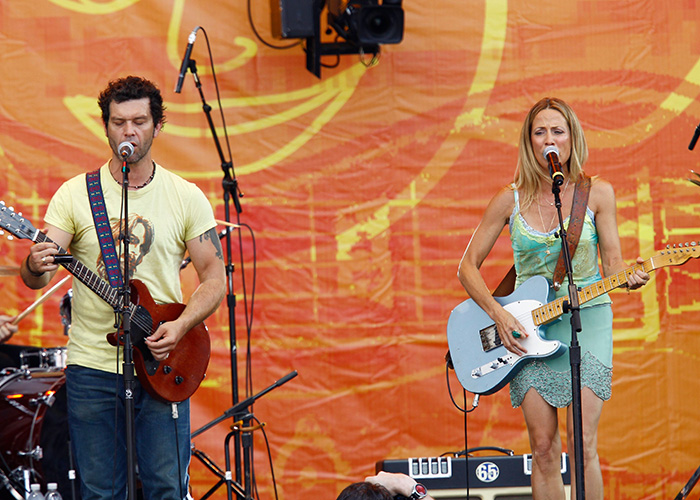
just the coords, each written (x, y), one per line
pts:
(94, 8)
(176, 46)
(328, 96)
(490, 57)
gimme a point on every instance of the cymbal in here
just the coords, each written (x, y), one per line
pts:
(9, 270)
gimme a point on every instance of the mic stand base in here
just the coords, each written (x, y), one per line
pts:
(237, 413)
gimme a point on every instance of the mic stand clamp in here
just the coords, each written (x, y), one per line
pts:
(573, 307)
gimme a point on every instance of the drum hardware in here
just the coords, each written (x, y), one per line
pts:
(34, 444)
(65, 310)
(6, 484)
(54, 357)
(36, 454)
(45, 399)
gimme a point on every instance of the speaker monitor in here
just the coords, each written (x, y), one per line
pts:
(505, 493)
(490, 478)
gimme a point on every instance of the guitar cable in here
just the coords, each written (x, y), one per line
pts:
(475, 401)
(475, 405)
(466, 445)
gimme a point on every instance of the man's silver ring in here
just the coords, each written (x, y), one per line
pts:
(43, 260)
(516, 334)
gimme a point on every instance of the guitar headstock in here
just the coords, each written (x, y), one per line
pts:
(16, 224)
(677, 254)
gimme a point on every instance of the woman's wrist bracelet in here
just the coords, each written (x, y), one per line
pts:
(33, 273)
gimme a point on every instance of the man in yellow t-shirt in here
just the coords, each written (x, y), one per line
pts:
(168, 217)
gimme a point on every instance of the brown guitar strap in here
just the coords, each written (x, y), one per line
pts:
(573, 235)
(507, 284)
(578, 214)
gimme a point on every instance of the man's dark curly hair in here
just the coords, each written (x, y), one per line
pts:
(365, 491)
(131, 88)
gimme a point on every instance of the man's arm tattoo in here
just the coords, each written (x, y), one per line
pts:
(213, 236)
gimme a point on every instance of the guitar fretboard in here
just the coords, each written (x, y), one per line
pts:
(671, 257)
(87, 276)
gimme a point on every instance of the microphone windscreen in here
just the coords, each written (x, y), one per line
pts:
(549, 150)
(126, 149)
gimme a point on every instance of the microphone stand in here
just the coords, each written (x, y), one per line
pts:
(242, 416)
(574, 349)
(128, 365)
(231, 191)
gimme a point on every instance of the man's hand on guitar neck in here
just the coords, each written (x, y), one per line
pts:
(39, 267)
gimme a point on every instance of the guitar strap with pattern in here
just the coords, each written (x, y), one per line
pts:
(578, 215)
(104, 231)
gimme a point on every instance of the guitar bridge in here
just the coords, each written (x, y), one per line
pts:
(501, 361)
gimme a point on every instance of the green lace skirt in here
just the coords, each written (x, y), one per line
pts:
(551, 378)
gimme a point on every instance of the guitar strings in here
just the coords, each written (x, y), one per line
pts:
(76, 268)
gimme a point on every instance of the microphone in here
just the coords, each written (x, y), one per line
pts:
(696, 135)
(551, 154)
(186, 60)
(126, 149)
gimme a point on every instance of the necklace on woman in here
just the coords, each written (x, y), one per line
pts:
(548, 228)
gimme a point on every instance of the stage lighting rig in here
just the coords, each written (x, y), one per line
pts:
(363, 25)
(366, 22)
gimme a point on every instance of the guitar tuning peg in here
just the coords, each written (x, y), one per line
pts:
(10, 237)
(692, 243)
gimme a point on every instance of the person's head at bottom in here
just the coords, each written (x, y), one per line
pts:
(365, 491)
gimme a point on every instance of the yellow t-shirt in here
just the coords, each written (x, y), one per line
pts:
(163, 215)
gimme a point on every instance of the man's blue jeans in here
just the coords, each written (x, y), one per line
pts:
(96, 418)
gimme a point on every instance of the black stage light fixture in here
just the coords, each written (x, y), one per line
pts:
(367, 21)
(361, 25)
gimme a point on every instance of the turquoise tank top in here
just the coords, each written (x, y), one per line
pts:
(536, 253)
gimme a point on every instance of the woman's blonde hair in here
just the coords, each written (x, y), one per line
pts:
(528, 174)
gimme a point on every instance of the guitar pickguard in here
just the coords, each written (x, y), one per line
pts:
(533, 343)
(482, 363)
(142, 327)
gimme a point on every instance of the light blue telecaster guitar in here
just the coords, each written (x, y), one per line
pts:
(483, 365)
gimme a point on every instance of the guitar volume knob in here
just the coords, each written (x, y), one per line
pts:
(179, 380)
(167, 369)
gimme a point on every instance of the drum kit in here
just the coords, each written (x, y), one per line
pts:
(34, 440)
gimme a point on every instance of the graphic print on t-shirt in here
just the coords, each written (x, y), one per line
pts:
(141, 237)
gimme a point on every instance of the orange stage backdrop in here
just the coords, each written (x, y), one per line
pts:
(362, 190)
